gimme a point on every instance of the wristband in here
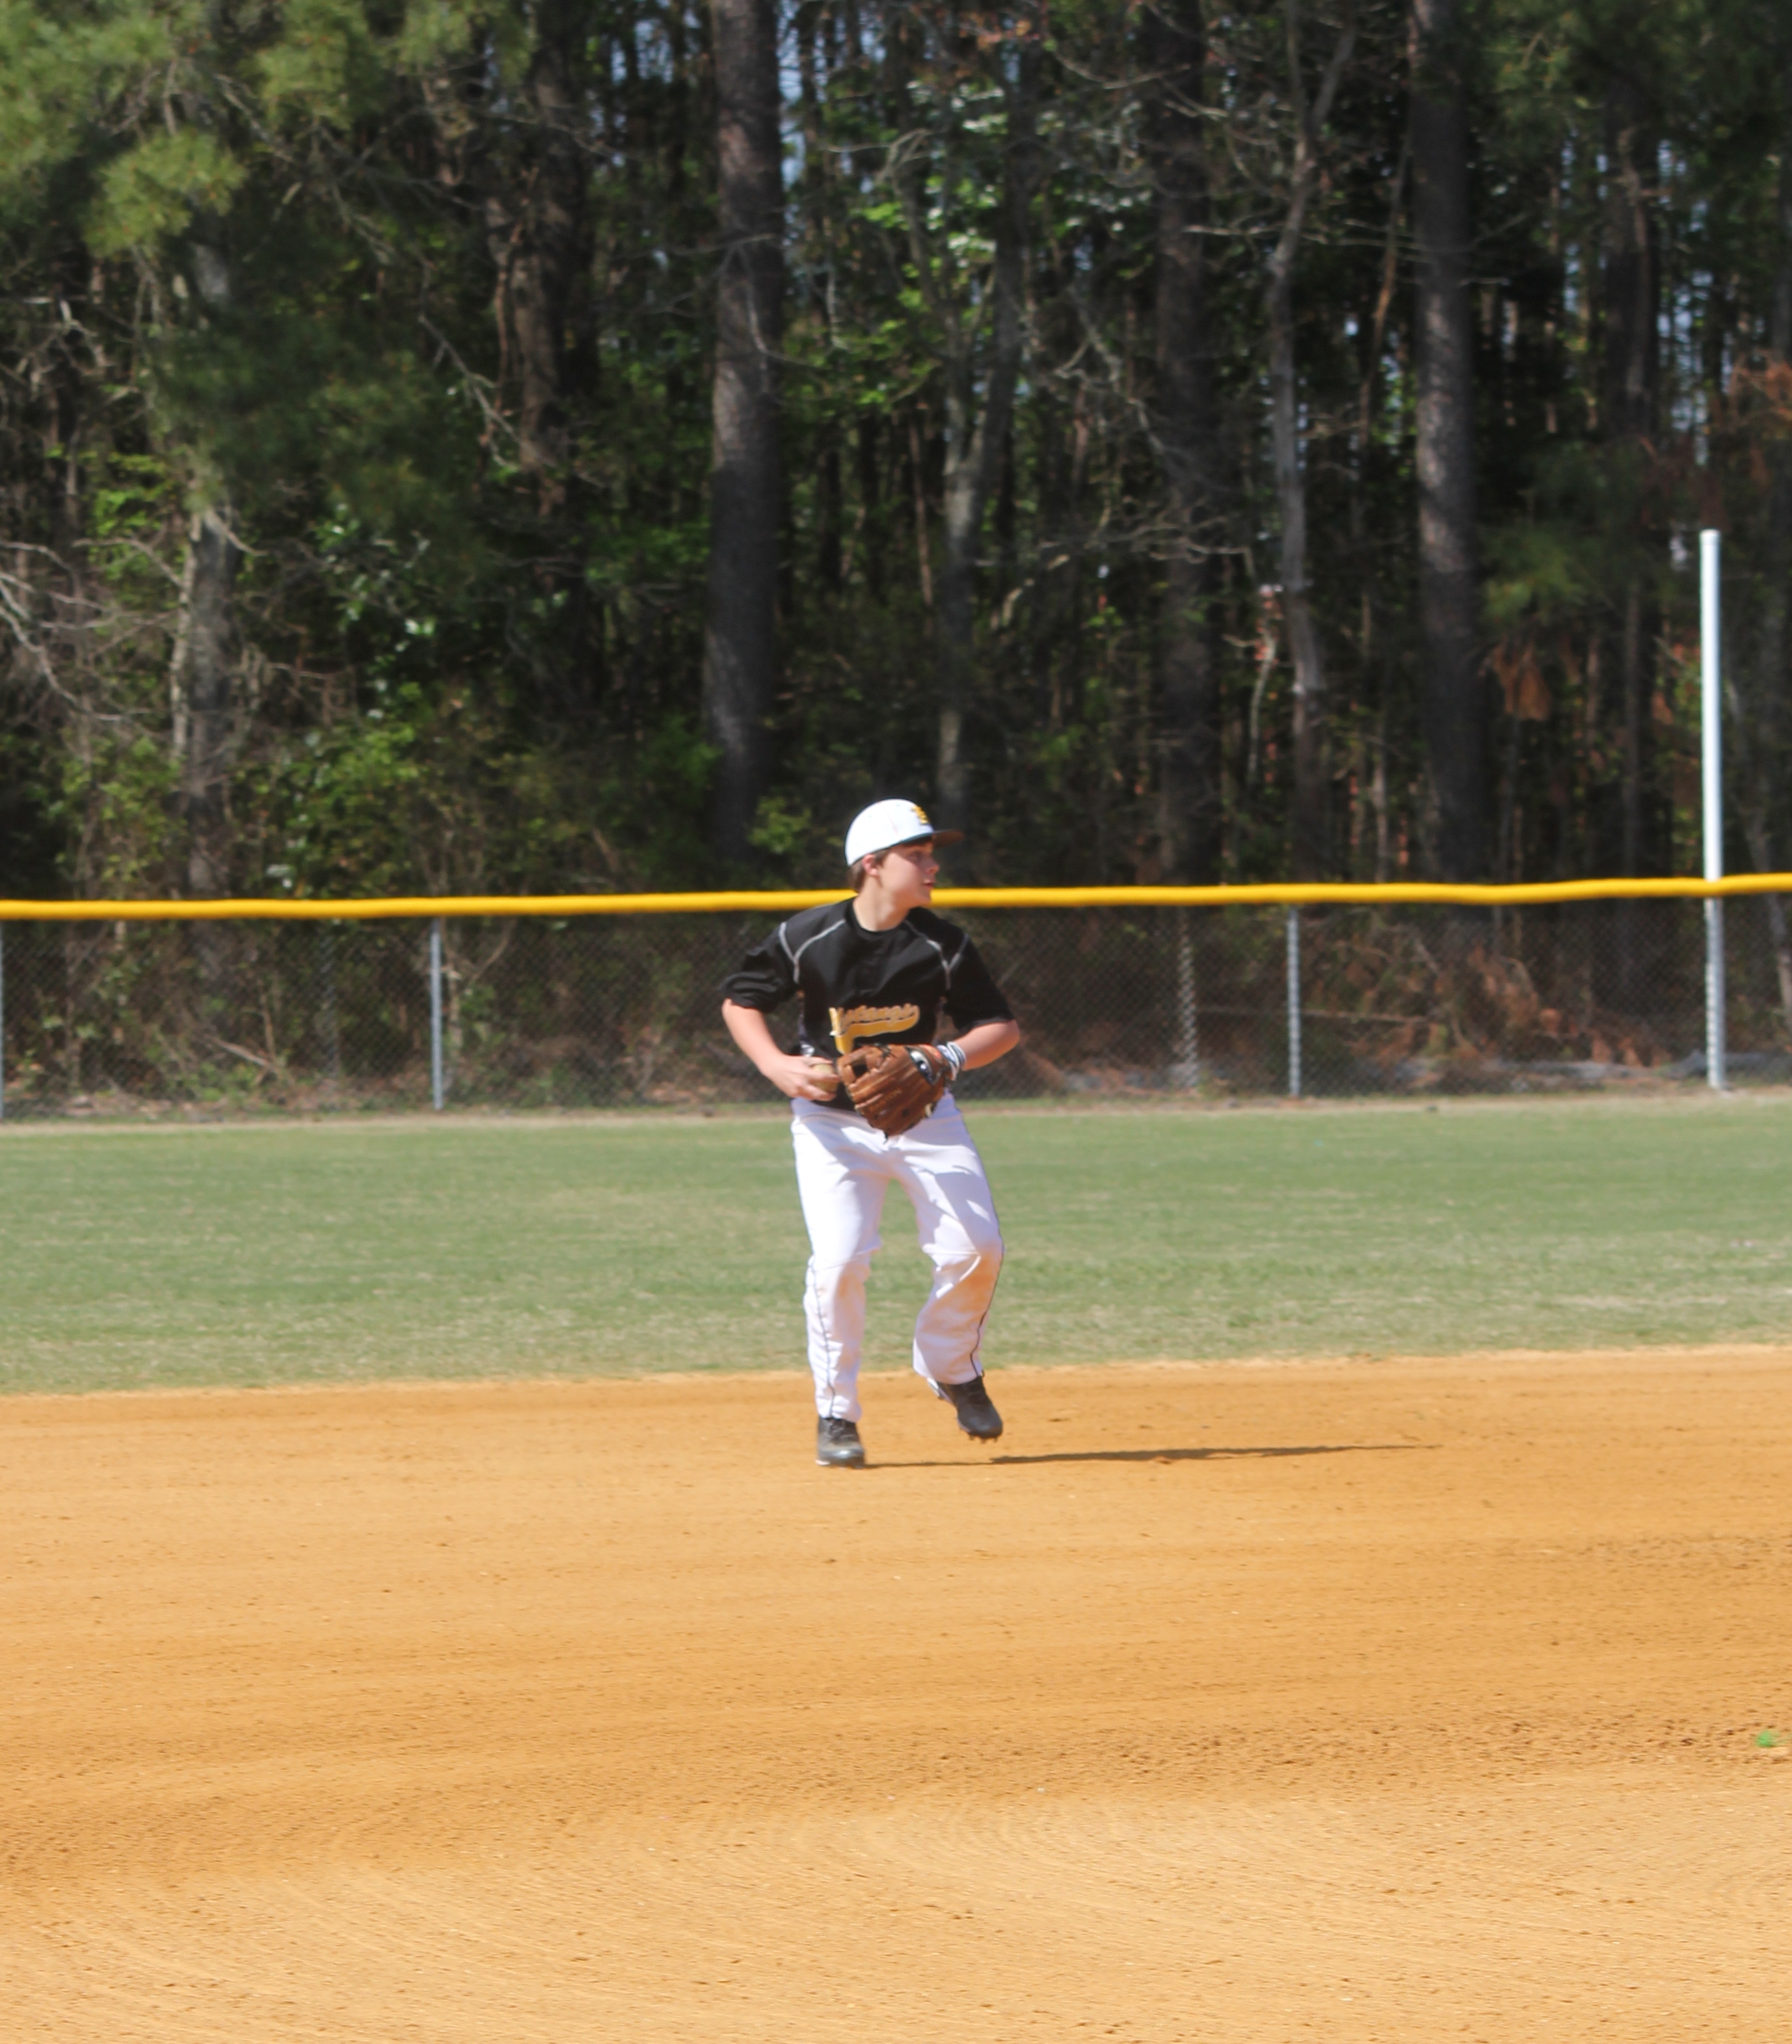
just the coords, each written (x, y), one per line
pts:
(954, 1055)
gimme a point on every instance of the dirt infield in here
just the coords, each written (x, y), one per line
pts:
(1382, 1700)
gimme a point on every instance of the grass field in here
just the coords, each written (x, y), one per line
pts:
(308, 1251)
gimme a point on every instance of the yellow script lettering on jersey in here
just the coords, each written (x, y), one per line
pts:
(851, 1025)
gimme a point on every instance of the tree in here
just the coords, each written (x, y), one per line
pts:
(361, 389)
(1762, 395)
(740, 640)
(536, 207)
(1172, 49)
(1308, 120)
(135, 114)
(971, 273)
(1450, 652)
(1630, 404)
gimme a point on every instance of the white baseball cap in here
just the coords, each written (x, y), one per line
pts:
(886, 824)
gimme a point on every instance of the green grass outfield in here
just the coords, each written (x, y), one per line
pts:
(300, 1251)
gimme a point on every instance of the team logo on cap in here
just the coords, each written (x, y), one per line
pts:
(896, 821)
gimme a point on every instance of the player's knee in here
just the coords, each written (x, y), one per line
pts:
(977, 1262)
(844, 1276)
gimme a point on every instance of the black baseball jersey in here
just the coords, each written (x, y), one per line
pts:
(859, 985)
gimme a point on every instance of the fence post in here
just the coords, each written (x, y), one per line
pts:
(1186, 1071)
(437, 1087)
(333, 1026)
(1711, 732)
(1294, 1003)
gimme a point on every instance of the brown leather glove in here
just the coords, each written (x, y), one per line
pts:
(895, 1085)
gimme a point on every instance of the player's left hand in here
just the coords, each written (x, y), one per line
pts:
(895, 1085)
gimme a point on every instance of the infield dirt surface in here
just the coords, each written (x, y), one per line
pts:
(1391, 1700)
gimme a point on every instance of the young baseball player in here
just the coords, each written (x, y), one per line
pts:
(871, 1106)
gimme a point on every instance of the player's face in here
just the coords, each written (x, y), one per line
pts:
(910, 871)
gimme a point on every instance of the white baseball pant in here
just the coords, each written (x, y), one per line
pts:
(844, 1167)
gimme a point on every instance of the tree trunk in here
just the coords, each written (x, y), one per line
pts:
(871, 507)
(1451, 691)
(1189, 812)
(1632, 383)
(815, 205)
(829, 552)
(540, 230)
(534, 173)
(1304, 650)
(1763, 728)
(1632, 350)
(740, 634)
(204, 669)
(1780, 338)
(976, 436)
(203, 672)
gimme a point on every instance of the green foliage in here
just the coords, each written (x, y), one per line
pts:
(270, 260)
(63, 66)
(788, 835)
(151, 193)
(327, 66)
(120, 793)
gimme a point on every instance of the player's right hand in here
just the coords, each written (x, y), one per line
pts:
(805, 1079)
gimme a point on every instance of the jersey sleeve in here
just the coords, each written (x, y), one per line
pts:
(972, 996)
(764, 978)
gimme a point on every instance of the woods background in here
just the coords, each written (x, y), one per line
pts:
(600, 444)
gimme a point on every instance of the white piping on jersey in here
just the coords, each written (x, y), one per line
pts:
(948, 966)
(795, 956)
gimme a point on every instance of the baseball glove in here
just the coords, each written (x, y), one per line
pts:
(895, 1085)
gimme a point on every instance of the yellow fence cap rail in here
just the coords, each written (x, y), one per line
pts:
(1277, 893)
(387, 908)
(1317, 892)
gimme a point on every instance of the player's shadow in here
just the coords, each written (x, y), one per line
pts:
(1215, 1454)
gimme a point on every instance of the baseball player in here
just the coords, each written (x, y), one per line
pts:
(871, 1106)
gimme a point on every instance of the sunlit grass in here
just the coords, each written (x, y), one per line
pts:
(293, 1252)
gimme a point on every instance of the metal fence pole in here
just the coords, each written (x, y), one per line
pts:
(437, 1085)
(1710, 698)
(333, 1024)
(1715, 1047)
(1294, 1003)
(1186, 1071)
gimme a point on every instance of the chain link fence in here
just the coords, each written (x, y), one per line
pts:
(523, 1013)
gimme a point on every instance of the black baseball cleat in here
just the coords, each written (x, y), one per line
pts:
(838, 1445)
(977, 1415)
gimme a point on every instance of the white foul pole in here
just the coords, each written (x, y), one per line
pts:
(1711, 728)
